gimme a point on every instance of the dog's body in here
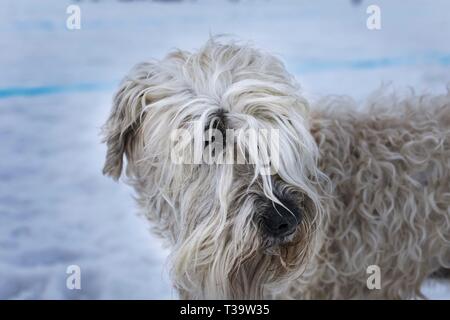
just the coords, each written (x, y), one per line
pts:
(353, 188)
(390, 168)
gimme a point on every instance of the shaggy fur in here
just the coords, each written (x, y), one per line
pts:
(372, 184)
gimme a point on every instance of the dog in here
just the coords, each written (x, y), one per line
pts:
(353, 187)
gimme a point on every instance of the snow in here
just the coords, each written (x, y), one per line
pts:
(56, 209)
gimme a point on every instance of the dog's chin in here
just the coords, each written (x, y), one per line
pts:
(277, 261)
(248, 271)
(272, 245)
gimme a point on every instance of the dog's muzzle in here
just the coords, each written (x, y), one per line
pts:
(279, 221)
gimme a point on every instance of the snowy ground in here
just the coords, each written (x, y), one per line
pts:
(56, 209)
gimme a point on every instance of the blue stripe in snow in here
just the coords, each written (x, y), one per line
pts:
(440, 59)
(54, 89)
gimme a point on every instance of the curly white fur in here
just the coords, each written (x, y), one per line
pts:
(372, 185)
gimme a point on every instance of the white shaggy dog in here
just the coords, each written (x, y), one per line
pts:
(351, 188)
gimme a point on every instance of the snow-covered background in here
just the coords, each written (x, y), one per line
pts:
(56, 209)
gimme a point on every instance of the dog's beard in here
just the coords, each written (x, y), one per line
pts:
(232, 258)
(272, 266)
(273, 262)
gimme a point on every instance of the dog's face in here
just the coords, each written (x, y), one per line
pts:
(242, 218)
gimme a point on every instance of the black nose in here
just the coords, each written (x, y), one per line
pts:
(277, 221)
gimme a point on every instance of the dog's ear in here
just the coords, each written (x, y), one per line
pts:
(125, 119)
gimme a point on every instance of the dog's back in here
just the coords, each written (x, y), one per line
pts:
(390, 167)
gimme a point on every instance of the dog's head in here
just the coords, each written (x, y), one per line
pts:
(219, 151)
